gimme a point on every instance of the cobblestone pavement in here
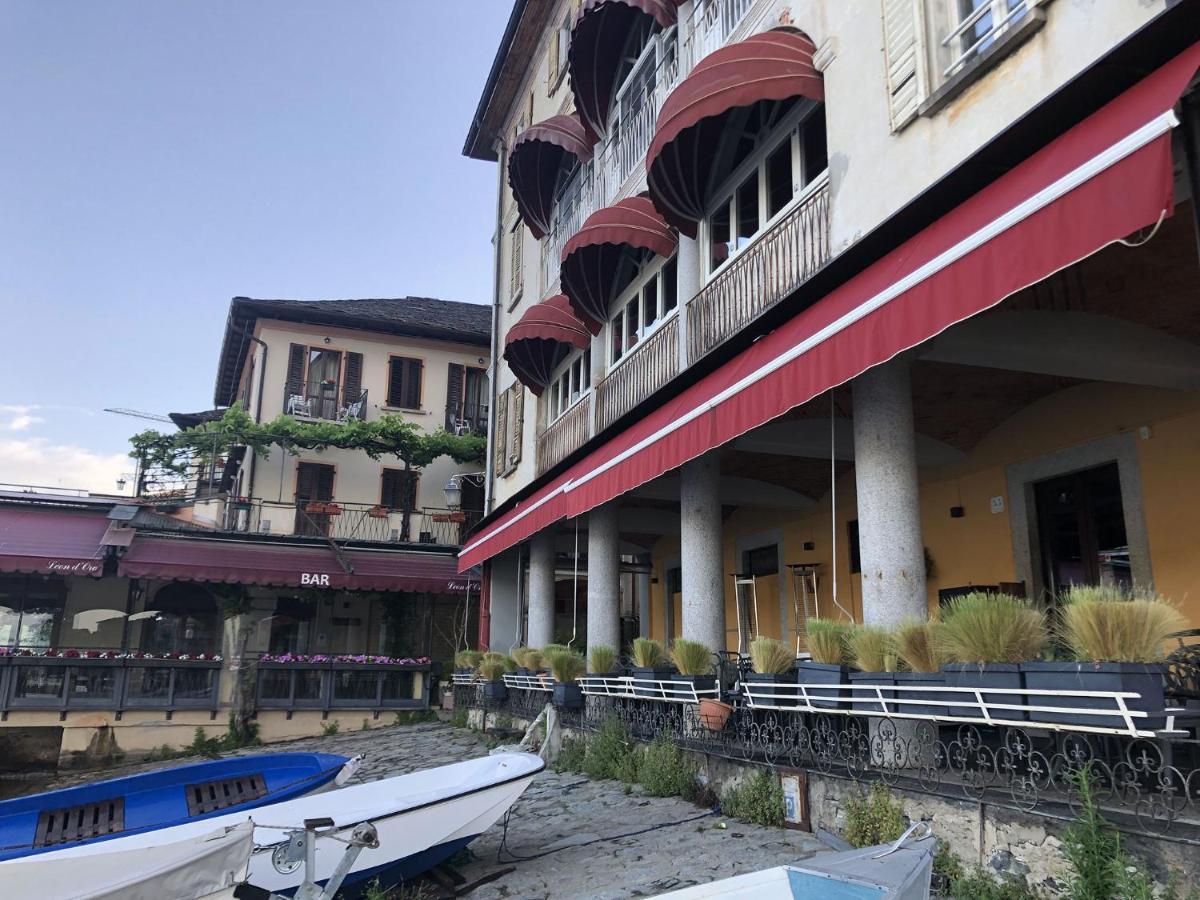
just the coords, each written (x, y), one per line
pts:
(569, 837)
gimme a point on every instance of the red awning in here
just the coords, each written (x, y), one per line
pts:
(598, 38)
(251, 562)
(1104, 179)
(776, 65)
(591, 273)
(52, 541)
(541, 339)
(539, 157)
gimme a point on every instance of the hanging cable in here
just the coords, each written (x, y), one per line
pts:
(575, 589)
(833, 500)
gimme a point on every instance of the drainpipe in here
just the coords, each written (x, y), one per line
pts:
(262, 380)
(494, 364)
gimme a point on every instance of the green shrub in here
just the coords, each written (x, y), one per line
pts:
(571, 756)
(665, 771)
(459, 719)
(986, 628)
(872, 818)
(612, 753)
(978, 884)
(602, 659)
(329, 729)
(758, 799)
(647, 654)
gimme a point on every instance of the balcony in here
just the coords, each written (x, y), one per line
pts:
(713, 23)
(564, 435)
(647, 367)
(767, 271)
(321, 402)
(341, 522)
(467, 419)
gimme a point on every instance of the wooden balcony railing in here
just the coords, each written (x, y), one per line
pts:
(650, 364)
(566, 433)
(763, 274)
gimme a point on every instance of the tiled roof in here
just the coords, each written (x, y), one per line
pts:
(448, 320)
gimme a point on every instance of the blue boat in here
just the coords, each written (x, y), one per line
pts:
(119, 807)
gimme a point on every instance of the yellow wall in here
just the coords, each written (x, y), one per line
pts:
(978, 548)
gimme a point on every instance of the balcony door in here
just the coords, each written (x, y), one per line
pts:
(314, 484)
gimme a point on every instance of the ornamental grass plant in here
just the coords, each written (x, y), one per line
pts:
(919, 647)
(827, 641)
(770, 657)
(528, 658)
(602, 659)
(691, 657)
(467, 659)
(1107, 623)
(647, 654)
(566, 665)
(871, 649)
(979, 628)
(491, 669)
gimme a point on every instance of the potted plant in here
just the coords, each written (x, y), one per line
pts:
(1116, 638)
(467, 661)
(828, 663)
(567, 666)
(491, 673)
(987, 637)
(649, 667)
(602, 661)
(528, 659)
(695, 664)
(773, 662)
(919, 649)
(871, 652)
(379, 512)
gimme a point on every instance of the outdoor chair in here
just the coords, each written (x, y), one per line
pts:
(299, 405)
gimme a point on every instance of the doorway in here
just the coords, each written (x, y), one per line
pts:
(1081, 529)
(314, 484)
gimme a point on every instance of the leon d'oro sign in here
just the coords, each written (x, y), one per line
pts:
(79, 567)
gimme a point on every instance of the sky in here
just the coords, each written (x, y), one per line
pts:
(159, 158)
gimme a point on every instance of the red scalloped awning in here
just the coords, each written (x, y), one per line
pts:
(541, 340)
(597, 44)
(538, 157)
(590, 274)
(46, 541)
(776, 65)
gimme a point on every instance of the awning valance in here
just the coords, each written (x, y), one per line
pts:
(776, 65)
(594, 58)
(541, 339)
(591, 273)
(539, 157)
(1100, 181)
(52, 541)
(262, 563)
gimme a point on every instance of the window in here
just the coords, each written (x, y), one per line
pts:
(399, 489)
(571, 383)
(764, 186)
(761, 561)
(404, 383)
(560, 43)
(322, 383)
(980, 24)
(31, 611)
(644, 305)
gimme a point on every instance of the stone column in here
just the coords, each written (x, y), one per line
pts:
(700, 539)
(688, 279)
(604, 578)
(889, 509)
(541, 589)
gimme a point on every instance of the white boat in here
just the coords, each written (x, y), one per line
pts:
(206, 867)
(421, 819)
(898, 871)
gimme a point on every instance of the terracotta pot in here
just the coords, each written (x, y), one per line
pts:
(714, 714)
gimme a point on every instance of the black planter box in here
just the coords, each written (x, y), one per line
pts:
(495, 690)
(780, 694)
(698, 683)
(1140, 678)
(644, 676)
(988, 675)
(568, 696)
(922, 680)
(809, 672)
(867, 701)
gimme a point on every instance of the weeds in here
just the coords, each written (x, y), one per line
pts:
(872, 818)
(666, 772)
(235, 738)
(612, 753)
(758, 799)
(459, 719)
(570, 757)
(329, 729)
(415, 717)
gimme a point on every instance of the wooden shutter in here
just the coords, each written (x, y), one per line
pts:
(455, 376)
(500, 438)
(554, 62)
(314, 481)
(518, 421)
(295, 372)
(399, 489)
(903, 52)
(404, 382)
(516, 277)
(352, 382)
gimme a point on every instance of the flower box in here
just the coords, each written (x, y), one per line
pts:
(868, 701)
(809, 672)
(495, 690)
(568, 696)
(987, 675)
(643, 680)
(766, 691)
(379, 512)
(923, 680)
(1141, 678)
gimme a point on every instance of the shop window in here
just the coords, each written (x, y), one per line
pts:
(31, 611)
(180, 617)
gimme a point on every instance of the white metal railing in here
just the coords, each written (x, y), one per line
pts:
(464, 677)
(651, 363)
(777, 262)
(632, 687)
(713, 22)
(973, 707)
(529, 682)
(981, 28)
(565, 434)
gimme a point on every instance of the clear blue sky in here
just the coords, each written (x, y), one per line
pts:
(158, 157)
